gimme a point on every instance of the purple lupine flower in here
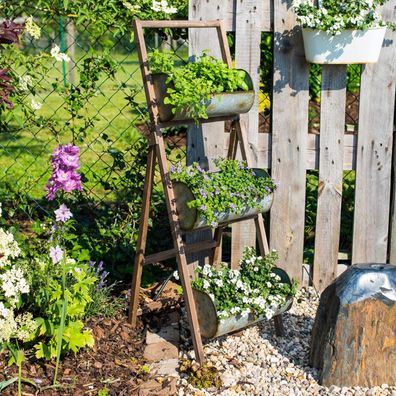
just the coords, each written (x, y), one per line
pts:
(65, 163)
(56, 254)
(63, 213)
(100, 273)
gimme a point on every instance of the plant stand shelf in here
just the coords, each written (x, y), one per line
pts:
(157, 153)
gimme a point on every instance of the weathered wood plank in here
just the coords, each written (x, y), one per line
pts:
(204, 143)
(311, 153)
(227, 11)
(249, 17)
(289, 137)
(328, 218)
(374, 153)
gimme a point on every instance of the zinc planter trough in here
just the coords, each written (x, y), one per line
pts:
(211, 326)
(191, 219)
(348, 47)
(224, 104)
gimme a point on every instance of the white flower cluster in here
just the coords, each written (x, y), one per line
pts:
(31, 28)
(13, 284)
(25, 82)
(20, 327)
(8, 248)
(251, 290)
(163, 6)
(59, 56)
(130, 7)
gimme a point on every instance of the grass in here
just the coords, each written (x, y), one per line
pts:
(25, 153)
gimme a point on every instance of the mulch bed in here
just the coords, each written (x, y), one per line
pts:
(115, 363)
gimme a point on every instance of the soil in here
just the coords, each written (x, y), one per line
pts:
(116, 362)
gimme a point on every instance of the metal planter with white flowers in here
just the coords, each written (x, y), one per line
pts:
(348, 47)
(211, 326)
(190, 218)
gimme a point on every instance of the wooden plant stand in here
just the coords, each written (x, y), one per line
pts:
(157, 152)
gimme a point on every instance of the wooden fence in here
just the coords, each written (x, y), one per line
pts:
(289, 150)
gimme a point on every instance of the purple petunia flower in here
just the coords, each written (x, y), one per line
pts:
(65, 163)
(56, 254)
(63, 213)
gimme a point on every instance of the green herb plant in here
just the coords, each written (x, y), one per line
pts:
(254, 289)
(230, 190)
(334, 16)
(191, 86)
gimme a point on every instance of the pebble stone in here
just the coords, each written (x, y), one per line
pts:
(256, 362)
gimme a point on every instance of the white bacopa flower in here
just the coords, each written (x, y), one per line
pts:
(218, 282)
(35, 104)
(207, 270)
(206, 284)
(255, 269)
(59, 56)
(176, 275)
(268, 284)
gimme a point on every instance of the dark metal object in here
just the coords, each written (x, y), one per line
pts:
(354, 335)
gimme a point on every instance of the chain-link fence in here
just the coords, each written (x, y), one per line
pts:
(78, 83)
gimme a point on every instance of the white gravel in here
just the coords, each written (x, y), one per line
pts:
(256, 362)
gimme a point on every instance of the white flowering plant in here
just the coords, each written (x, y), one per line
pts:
(253, 289)
(334, 16)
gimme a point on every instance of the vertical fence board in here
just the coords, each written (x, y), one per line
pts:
(249, 19)
(204, 143)
(374, 154)
(392, 229)
(289, 136)
(328, 218)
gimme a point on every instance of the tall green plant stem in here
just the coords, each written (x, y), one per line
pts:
(62, 322)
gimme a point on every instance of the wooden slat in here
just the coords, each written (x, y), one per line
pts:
(374, 153)
(311, 153)
(328, 218)
(167, 254)
(249, 17)
(204, 143)
(289, 136)
(197, 24)
(227, 12)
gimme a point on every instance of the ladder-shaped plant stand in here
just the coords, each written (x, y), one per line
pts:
(157, 153)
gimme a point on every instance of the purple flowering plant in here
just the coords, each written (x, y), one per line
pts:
(65, 165)
(230, 190)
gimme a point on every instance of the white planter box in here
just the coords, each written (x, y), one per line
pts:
(351, 46)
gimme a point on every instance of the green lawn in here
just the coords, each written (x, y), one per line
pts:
(24, 155)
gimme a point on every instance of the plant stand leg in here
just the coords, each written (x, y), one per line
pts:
(141, 243)
(261, 235)
(233, 144)
(279, 328)
(215, 258)
(180, 248)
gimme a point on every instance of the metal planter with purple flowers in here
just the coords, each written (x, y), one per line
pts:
(190, 218)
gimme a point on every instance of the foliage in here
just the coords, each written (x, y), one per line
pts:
(255, 288)
(334, 16)
(233, 188)
(99, 17)
(191, 86)
(200, 376)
